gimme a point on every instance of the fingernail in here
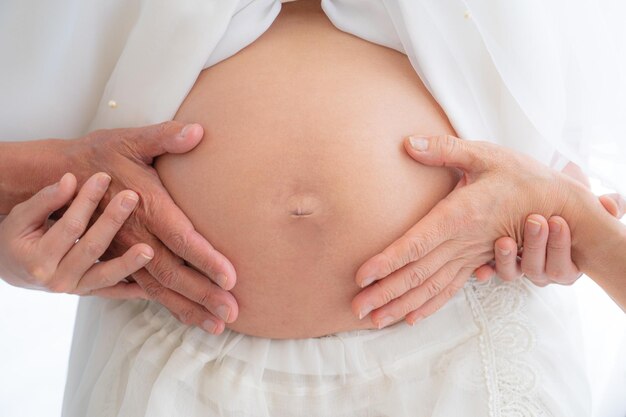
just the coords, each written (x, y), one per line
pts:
(223, 312)
(209, 325)
(104, 180)
(555, 227)
(533, 227)
(385, 321)
(186, 130)
(367, 281)
(129, 201)
(144, 258)
(365, 310)
(56, 186)
(63, 177)
(504, 252)
(418, 143)
(415, 320)
(221, 280)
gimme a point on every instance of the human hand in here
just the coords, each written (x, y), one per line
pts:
(127, 155)
(415, 275)
(37, 257)
(546, 253)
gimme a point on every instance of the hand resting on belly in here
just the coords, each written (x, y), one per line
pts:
(302, 175)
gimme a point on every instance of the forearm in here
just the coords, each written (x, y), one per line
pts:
(599, 247)
(27, 167)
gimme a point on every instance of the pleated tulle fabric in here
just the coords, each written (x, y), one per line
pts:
(496, 349)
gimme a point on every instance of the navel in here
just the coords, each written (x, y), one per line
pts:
(302, 205)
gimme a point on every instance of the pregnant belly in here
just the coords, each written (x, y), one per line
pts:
(301, 175)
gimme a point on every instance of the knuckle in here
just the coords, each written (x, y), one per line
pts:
(408, 307)
(205, 298)
(507, 260)
(93, 199)
(387, 294)
(417, 248)
(186, 316)
(163, 128)
(450, 291)
(532, 245)
(154, 290)
(557, 244)
(169, 278)
(58, 286)
(94, 249)
(415, 276)
(447, 146)
(73, 227)
(433, 287)
(40, 273)
(117, 220)
(179, 241)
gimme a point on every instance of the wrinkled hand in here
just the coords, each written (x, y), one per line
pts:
(126, 155)
(415, 275)
(49, 259)
(545, 257)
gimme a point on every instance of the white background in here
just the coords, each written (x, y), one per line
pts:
(36, 328)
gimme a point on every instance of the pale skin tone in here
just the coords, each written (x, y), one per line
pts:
(156, 223)
(48, 259)
(422, 269)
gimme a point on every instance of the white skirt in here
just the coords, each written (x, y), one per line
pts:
(496, 349)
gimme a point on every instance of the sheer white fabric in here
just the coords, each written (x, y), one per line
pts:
(496, 349)
(536, 76)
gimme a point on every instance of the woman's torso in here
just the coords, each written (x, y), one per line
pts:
(301, 175)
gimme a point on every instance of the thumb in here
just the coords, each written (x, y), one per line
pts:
(167, 137)
(448, 151)
(32, 213)
(614, 204)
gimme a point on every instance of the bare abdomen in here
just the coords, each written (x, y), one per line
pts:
(301, 175)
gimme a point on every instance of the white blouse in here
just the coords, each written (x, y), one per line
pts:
(538, 76)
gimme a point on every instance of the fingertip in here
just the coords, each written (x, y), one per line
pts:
(535, 225)
(505, 245)
(418, 143)
(67, 184)
(368, 272)
(538, 218)
(192, 132)
(146, 250)
(612, 205)
(484, 273)
(368, 280)
(556, 225)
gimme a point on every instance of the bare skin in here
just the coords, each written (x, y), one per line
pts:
(448, 239)
(126, 156)
(344, 122)
(301, 176)
(299, 139)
